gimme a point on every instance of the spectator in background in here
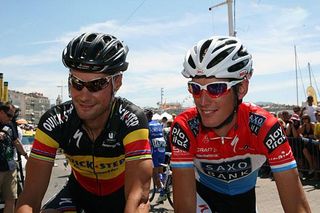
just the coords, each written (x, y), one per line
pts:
(294, 138)
(297, 110)
(166, 131)
(286, 117)
(307, 127)
(310, 109)
(8, 168)
(306, 130)
(317, 127)
(164, 121)
(293, 126)
(158, 148)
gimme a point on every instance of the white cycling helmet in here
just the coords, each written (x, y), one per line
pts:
(219, 57)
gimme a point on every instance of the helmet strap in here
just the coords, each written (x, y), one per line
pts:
(114, 90)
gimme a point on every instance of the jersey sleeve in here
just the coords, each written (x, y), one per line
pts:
(136, 141)
(182, 143)
(48, 133)
(276, 146)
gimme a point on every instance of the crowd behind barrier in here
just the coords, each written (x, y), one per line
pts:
(300, 148)
(308, 165)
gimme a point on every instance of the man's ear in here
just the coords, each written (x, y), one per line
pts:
(118, 82)
(243, 88)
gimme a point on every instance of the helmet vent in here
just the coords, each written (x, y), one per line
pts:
(238, 66)
(91, 37)
(204, 49)
(107, 39)
(241, 52)
(228, 42)
(220, 57)
(111, 53)
(191, 62)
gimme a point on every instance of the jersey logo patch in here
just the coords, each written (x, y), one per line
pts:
(194, 126)
(110, 140)
(179, 138)
(274, 138)
(228, 171)
(77, 136)
(255, 122)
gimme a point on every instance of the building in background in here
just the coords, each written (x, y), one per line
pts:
(32, 105)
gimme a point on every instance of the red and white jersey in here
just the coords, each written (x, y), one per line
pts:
(230, 164)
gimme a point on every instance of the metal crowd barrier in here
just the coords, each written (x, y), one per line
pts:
(306, 151)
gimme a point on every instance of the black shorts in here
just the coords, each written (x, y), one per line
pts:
(222, 203)
(74, 198)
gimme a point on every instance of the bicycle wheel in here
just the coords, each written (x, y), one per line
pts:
(152, 192)
(169, 191)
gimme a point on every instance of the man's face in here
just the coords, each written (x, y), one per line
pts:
(6, 116)
(213, 110)
(92, 105)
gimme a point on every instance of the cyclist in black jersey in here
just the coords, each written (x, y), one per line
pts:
(104, 138)
(219, 145)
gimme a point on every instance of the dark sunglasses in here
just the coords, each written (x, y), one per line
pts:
(214, 89)
(94, 85)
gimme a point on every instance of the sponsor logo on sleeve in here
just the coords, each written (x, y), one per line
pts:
(57, 119)
(53, 121)
(179, 138)
(255, 122)
(274, 138)
(128, 117)
(228, 171)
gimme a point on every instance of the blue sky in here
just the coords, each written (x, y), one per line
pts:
(158, 33)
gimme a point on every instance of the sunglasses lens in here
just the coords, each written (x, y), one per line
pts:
(194, 89)
(217, 90)
(78, 85)
(92, 86)
(214, 90)
(96, 85)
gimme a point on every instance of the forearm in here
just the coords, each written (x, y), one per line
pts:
(26, 209)
(27, 204)
(137, 186)
(184, 190)
(137, 206)
(292, 196)
(19, 147)
(35, 185)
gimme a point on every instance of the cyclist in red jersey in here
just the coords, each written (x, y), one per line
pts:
(104, 138)
(219, 145)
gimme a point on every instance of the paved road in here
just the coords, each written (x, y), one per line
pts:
(267, 196)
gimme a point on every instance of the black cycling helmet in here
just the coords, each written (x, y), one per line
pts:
(96, 52)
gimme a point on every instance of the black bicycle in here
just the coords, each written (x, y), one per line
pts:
(166, 182)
